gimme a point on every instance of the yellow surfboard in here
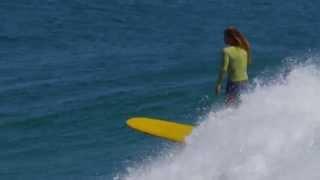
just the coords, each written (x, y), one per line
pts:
(165, 129)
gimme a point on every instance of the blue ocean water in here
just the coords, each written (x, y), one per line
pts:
(72, 73)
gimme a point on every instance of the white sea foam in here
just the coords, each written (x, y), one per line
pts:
(273, 135)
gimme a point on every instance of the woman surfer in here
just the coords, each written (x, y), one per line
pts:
(236, 58)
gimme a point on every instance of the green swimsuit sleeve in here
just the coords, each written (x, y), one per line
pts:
(223, 67)
(225, 63)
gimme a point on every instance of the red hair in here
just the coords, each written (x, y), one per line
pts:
(239, 40)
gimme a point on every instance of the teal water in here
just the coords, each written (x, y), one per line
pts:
(72, 73)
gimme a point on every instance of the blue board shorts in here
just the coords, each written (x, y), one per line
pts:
(234, 90)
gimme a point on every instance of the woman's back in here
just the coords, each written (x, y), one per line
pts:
(237, 61)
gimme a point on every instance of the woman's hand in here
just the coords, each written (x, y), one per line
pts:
(218, 89)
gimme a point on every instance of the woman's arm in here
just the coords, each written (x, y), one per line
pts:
(222, 71)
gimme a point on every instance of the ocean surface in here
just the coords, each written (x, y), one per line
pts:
(72, 73)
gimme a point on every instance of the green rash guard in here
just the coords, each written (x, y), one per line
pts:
(235, 62)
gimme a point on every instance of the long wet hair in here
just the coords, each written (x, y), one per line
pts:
(238, 39)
